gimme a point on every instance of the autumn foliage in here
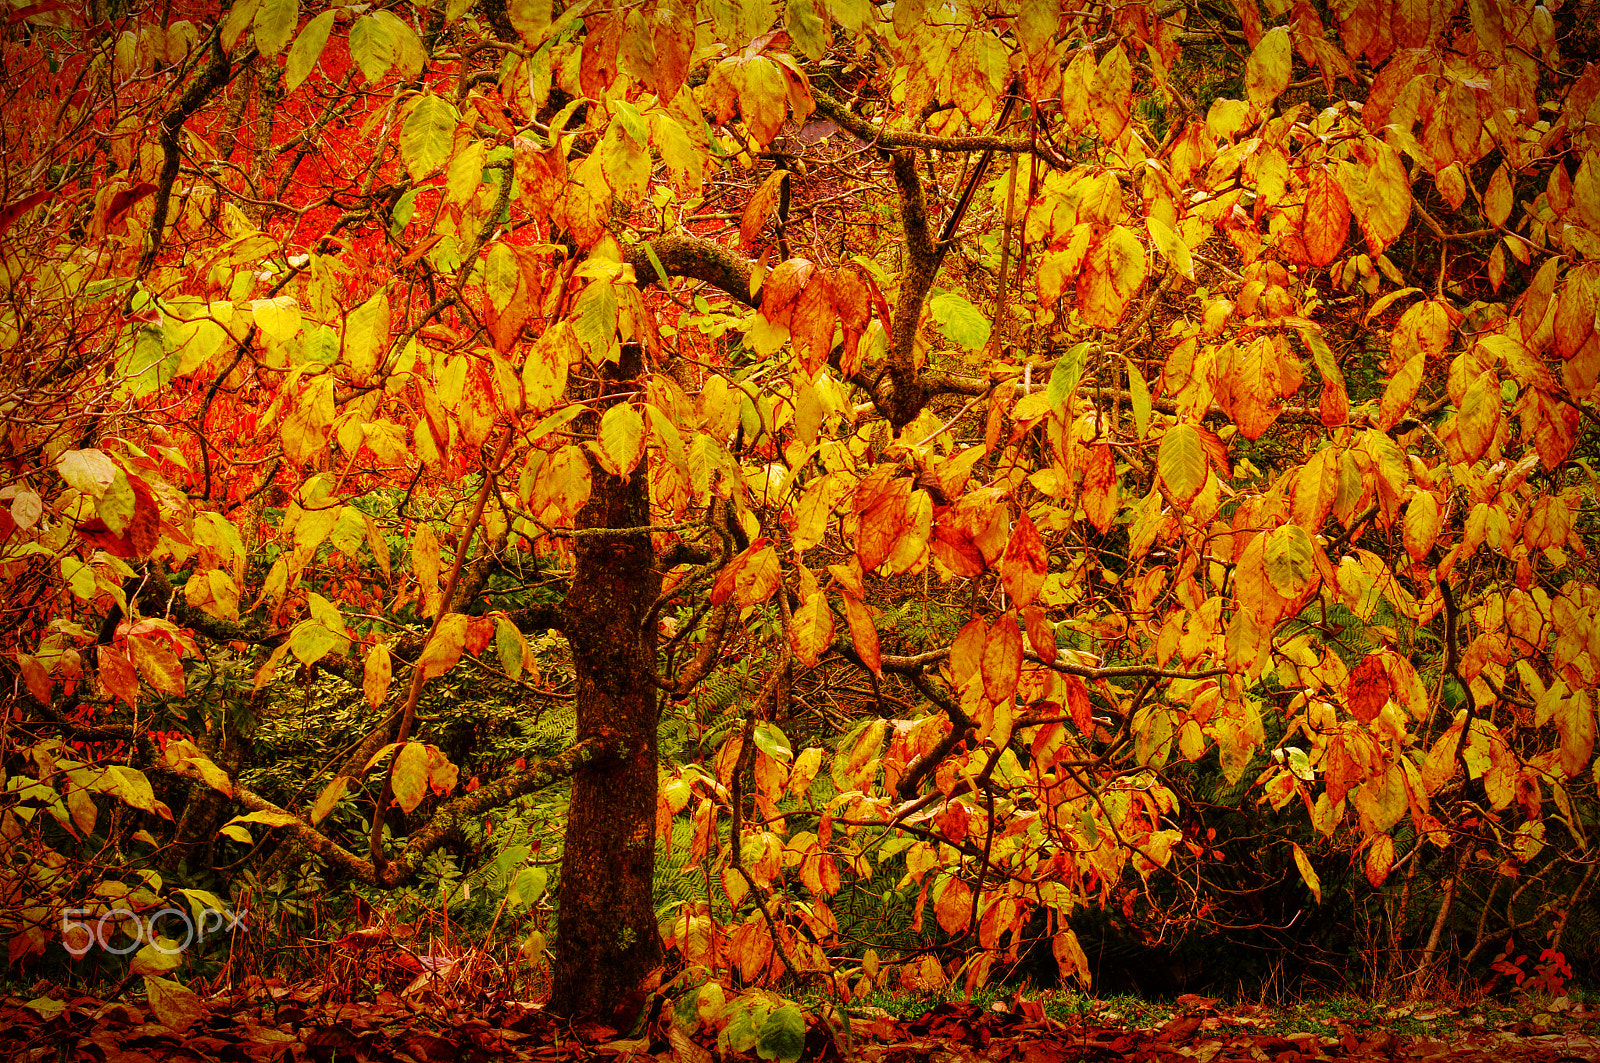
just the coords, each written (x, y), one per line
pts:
(1226, 372)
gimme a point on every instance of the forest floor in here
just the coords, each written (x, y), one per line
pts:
(305, 1022)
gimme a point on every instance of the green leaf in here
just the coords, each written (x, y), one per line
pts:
(311, 641)
(773, 742)
(1065, 376)
(148, 364)
(628, 117)
(745, 1017)
(1139, 396)
(783, 1035)
(508, 643)
(528, 887)
(425, 138)
(1322, 355)
(961, 322)
(306, 51)
(808, 28)
(275, 22)
(1181, 461)
(372, 46)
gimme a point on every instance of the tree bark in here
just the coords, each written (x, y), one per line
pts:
(608, 949)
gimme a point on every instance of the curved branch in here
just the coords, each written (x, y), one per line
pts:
(862, 129)
(696, 257)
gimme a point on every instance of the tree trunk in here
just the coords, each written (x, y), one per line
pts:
(608, 948)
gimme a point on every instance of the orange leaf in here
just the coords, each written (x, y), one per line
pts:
(811, 324)
(1099, 497)
(1076, 696)
(952, 904)
(1024, 563)
(1327, 218)
(1002, 659)
(1367, 689)
(597, 67)
(882, 504)
(966, 653)
(1380, 857)
(863, 633)
(812, 629)
(760, 208)
(1041, 633)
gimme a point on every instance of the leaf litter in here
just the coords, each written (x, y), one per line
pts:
(270, 1022)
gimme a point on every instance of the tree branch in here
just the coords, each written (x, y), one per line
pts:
(445, 820)
(862, 129)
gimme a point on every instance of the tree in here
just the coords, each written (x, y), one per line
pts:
(1213, 471)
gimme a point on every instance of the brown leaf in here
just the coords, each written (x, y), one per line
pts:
(597, 67)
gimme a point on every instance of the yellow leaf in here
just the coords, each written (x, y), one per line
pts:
(1112, 273)
(376, 675)
(763, 99)
(328, 798)
(1171, 246)
(175, 1004)
(1307, 873)
(1400, 391)
(425, 567)
(812, 629)
(1181, 463)
(621, 439)
(445, 647)
(1111, 94)
(1266, 72)
(410, 775)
